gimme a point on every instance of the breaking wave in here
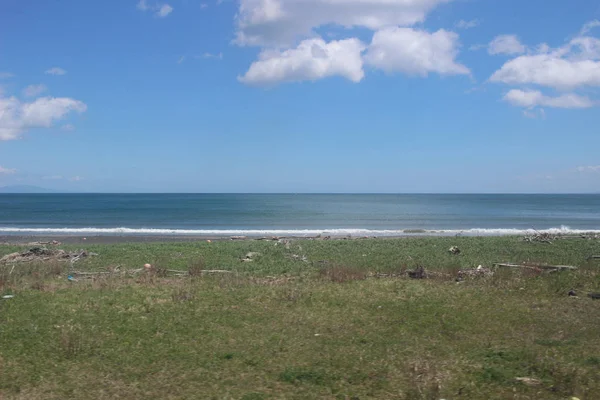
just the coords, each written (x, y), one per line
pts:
(563, 230)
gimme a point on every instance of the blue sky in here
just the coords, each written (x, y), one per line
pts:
(300, 95)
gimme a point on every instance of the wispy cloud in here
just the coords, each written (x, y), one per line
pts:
(7, 171)
(535, 113)
(76, 179)
(587, 27)
(164, 10)
(181, 59)
(506, 44)
(462, 24)
(68, 127)
(589, 168)
(6, 75)
(53, 177)
(34, 90)
(159, 10)
(55, 71)
(218, 56)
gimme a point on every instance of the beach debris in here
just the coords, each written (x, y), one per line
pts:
(209, 241)
(44, 254)
(147, 267)
(478, 272)
(529, 381)
(238, 237)
(418, 273)
(8, 296)
(594, 257)
(297, 257)
(542, 237)
(50, 243)
(454, 250)
(539, 267)
(572, 293)
(594, 296)
(251, 256)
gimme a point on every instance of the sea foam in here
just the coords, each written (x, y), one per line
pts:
(123, 231)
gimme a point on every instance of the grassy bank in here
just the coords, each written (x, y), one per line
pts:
(306, 320)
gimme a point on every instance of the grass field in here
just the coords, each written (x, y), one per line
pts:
(310, 320)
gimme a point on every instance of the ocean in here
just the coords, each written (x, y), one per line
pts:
(297, 214)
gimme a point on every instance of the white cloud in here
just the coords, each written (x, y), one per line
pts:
(415, 52)
(53, 177)
(76, 179)
(313, 59)
(218, 56)
(462, 24)
(7, 171)
(589, 168)
(534, 98)
(17, 117)
(5, 75)
(142, 5)
(506, 44)
(55, 71)
(160, 10)
(34, 90)
(203, 6)
(164, 10)
(283, 22)
(589, 26)
(576, 64)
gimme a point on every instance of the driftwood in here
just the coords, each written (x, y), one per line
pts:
(594, 257)
(540, 237)
(533, 266)
(39, 254)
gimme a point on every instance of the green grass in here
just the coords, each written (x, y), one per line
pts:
(280, 328)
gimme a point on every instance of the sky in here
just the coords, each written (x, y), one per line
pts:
(352, 96)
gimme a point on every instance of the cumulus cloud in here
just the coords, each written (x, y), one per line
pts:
(7, 171)
(16, 117)
(415, 52)
(312, 59)
(462, 24)
(534, 98)
(55, 71)
(286, 30)
(506, 44)
(282, 22)
(34, 90)
(571, 67)
(160, 10)
(574, 65)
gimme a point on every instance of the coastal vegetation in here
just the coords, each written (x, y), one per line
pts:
(303, 319)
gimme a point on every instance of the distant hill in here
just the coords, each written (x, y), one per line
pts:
(25, 189)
